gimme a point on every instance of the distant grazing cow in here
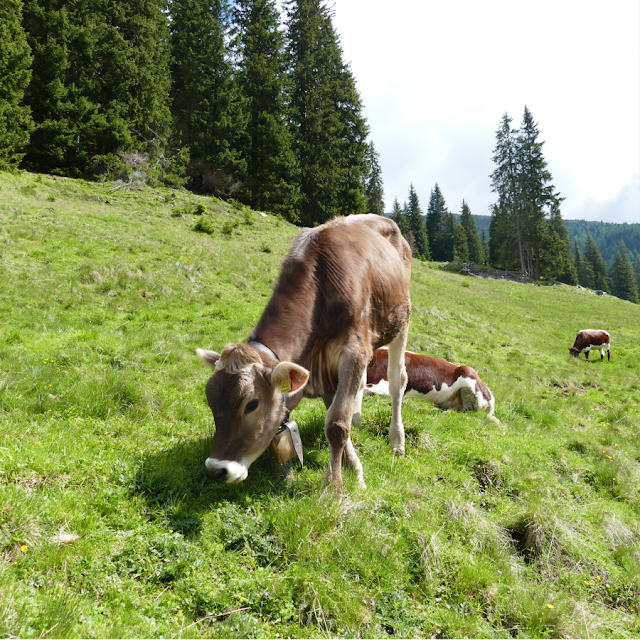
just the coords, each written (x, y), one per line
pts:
(445, 384)
(591, 338)
(343, 291)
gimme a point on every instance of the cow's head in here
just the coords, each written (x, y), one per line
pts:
(574, 352)
(245, 394)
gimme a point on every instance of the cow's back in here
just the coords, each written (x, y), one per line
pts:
(349, 277)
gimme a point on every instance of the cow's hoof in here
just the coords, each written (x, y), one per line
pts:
(399, 451)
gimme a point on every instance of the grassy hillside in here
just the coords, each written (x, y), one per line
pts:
(109, 528)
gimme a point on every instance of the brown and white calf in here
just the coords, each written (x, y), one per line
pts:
(343, 291)
(588, 339)
(448, 385)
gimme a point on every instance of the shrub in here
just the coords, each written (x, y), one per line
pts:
(204, 225)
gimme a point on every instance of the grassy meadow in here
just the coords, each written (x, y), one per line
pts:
(109, 528)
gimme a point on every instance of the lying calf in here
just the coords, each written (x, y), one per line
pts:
(445, 384)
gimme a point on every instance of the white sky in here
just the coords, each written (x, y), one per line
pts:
(436, 77)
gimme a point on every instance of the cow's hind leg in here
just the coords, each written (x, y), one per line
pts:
(397, 375)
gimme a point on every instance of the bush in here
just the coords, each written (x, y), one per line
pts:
(205, 225)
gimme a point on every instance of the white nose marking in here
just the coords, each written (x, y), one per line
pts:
(236, 471)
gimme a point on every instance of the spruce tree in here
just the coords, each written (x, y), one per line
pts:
(206, 104)
(416, 225)
(15, 72)
(506, 231)
(100, 84)
(527, 201)
(598, 266)
(578, 263)
(557, 261)
(448, 238)
(485, 245)
(636, 270)
(461, 244)
(374, 191)
(621, 276)
(474, 245)
(329, 129)
(439, 231)
(537, 196)
(399, 217)
(266, 145)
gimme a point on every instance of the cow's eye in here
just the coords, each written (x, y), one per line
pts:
(251, 406)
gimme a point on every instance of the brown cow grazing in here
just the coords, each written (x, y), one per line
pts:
(343, 291)
(588, 339)
(445, 384)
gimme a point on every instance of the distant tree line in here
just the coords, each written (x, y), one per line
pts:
(437, 236)
(227, 97)
(605, 234)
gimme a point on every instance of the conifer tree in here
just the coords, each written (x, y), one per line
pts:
(415, 219)
(485, 246)
(100, 83)
(578, 263)
(374, 191)
(536, 195)
(636, 269)
(439, 231)
(621, 276)
(461, 244)
(266, 146)
(527, 212)
(329, 129)
(206, 104)
(448, 238)
(506, 230)
(15, 73)
(557, 261)
(399, 217)
(474, 245)
(598, 266)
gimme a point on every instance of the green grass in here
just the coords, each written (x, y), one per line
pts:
(524, 529)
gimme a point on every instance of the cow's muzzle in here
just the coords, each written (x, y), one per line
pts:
(226, 471)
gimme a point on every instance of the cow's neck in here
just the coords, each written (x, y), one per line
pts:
(286, 325)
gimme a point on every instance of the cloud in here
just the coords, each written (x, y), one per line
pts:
(624, 207)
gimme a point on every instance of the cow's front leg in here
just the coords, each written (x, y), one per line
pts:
(339, 415)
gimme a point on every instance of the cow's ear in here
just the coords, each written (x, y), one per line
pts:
(208, 357)
(289, 377)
